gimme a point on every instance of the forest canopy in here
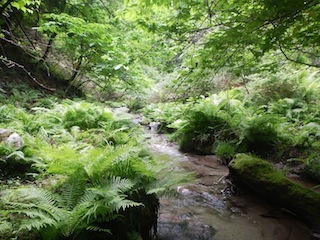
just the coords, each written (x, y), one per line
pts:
(257, 27)
(79, 77)
(109, 43)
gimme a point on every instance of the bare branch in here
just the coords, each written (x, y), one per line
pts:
(11, 64)
(295, 60)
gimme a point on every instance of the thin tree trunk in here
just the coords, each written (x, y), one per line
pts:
(4, 6)
(76, 70)
(49, 46)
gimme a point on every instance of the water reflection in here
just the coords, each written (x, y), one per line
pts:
(206, 210)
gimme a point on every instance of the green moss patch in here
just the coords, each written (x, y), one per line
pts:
(260, 176)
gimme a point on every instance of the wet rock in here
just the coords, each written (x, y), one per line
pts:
(263, 178)
(185, 230)
(154, 126)
(316, 235)
(11, 138)
(4, 133)
(183, 190)
(120, 111)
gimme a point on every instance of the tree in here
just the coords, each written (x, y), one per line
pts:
(237, 37)
(255, 28)
(233, 31)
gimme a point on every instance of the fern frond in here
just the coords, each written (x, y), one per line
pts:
(98, 229)
(42, 196)
(105, 198)
(122, 204)
(39, 211)
(165, 185)
(72, 192)
(5, 227)
(120, 184)
(41, 222)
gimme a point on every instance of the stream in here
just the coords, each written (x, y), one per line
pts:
(209, 209)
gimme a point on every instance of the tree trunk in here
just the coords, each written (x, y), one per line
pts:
(261, 177)
(75, 71)
(49, 46)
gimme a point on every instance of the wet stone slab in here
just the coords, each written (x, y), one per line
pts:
(183, 231)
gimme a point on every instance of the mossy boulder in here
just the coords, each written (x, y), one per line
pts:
(263, 178)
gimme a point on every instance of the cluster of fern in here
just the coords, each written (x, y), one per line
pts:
(87, 175)
(272, 116)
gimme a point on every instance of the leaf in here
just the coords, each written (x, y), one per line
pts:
(19, 155)
(118, 67)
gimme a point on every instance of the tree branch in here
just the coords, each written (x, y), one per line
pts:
(111, 15)
(297, 61)
(49, 46)
(4, 6)
(24, 32)
(10, 64)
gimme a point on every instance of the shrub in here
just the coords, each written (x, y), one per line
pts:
(225, 150)
(14, 163)
(261, 134)
(165, 113)
(85, 116)
(201, 130)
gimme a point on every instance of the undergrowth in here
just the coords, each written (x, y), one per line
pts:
(274, 116)
(83, 175)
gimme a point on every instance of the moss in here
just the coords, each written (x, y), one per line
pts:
(263, 178)
(312, 170)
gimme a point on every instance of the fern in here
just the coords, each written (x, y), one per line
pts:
(104, 179)
(206, 123)
(98, 229)
(5, 226)
(72, 191)
(85, 116)
(45, 210)
(167, 182)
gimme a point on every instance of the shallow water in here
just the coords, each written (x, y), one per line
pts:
(208, 209)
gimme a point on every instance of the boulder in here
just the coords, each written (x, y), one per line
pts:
(154, 126)
(11, 138)
(263, 178)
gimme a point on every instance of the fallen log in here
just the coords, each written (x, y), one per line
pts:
(263, 178)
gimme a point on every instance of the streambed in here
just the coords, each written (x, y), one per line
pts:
(209, 209)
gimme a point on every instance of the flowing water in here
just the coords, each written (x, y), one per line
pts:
(209, 209)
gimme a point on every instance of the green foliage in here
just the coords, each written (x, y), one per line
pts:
(206, 122)
(93, 176)
(85, 117)
(26, 6)
(274, 115)
(300, 86)
(184, 51)
(261, 134)
(77, 209)
(312, 169)
(225, 150)
(218, 39)
(167, 114)
(102, 50)
(20, 95)
(15, 162)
